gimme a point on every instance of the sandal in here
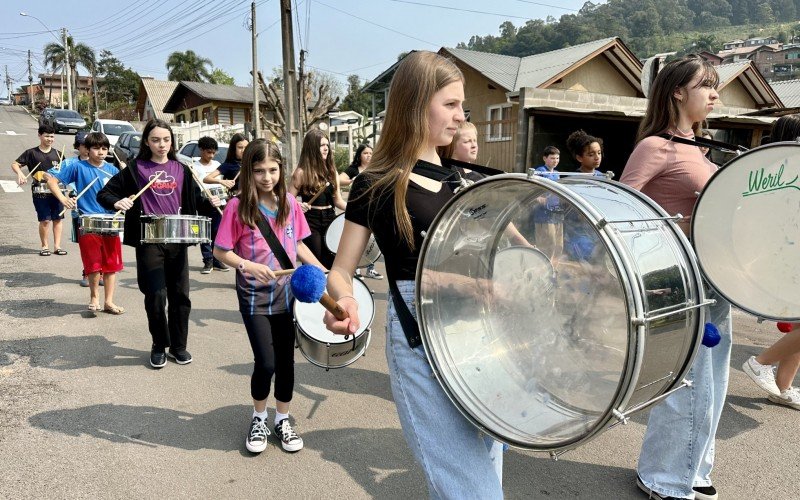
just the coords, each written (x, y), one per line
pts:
(44, 252)
(117, 310)
(60, 251)
(93, 307)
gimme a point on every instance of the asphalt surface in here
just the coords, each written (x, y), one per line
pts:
(83, 415)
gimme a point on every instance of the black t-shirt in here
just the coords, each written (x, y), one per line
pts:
(351, 171)
(33, 156)
(378, 215)
(323, 200)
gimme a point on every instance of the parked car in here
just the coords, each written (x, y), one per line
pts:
(45, 115)
(127, 146)
(190, 152)
(66, 120)
(112, 128)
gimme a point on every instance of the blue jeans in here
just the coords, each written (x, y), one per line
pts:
(678, 449)
(459, 462)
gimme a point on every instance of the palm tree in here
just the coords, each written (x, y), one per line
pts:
(188, 66)
(79, 54)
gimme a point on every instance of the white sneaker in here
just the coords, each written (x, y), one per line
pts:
(762, 375)
(790, 397)
(290, 441)
(372, 273)
(257, 436)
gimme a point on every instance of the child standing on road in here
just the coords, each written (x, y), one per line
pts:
(227, 175)
(264, 301)
(100, 253)
(203, 166)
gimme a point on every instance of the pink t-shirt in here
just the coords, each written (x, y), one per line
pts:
(248, 243)
(671, 174)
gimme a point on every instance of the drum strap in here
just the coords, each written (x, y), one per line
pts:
(274, 244)
(407, 321)
(707, 143)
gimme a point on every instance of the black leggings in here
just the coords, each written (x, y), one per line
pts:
(272, 340)
(318, 222)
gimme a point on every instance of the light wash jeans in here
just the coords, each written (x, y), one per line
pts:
(459, 462)
(678, 449)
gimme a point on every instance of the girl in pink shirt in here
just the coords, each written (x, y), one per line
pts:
(678, 449)
(264, 301)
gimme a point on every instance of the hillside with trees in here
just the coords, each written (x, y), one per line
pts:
(647, 26)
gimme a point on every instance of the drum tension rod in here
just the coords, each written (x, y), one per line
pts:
(603, 222)
(643, 321)
(623, 417)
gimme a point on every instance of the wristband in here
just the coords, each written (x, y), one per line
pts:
(345, 297)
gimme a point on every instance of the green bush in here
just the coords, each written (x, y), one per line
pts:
(341, 157)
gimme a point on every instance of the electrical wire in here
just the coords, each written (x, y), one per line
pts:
(460, 9)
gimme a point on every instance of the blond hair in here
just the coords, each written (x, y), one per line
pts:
(449, 150)
(405, 129)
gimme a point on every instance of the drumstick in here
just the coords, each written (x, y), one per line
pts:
(318, 193)
(142, 191)
(79, 195)
(203, 187)
(33, 170)
(119, 162)
(237, 175)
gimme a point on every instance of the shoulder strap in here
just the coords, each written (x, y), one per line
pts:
(274, 244)
(703, 142)
(407, 321)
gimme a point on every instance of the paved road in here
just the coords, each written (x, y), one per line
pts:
(83, 415)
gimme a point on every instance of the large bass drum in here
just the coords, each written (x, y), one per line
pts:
(746, 231)
(544, 352)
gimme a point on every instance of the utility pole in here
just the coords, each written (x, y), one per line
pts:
(289, 86)
(69, 70)
(30, 82)
(256, 109)
(8, 83)
(301, 89)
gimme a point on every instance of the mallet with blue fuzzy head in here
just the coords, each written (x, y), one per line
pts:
(308, 285)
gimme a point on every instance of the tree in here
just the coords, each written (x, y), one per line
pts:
(356, 100)
(80, 53)
(120, 84)
(221, 78)
(188, 66)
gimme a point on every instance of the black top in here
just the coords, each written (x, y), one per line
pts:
(378, 214)
(33, 156)
(126, 183)
(351, 171)
(229, 171)
(323, 200)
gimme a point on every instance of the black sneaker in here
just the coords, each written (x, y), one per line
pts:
(158, 359)
(207, 267)
(289, 438)
(257, 437)
(650, 493)
(219, 266)
(705, 493)
(180, 357)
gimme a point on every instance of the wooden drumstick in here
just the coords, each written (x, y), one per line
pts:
(33, 170)
(145, 188)
(318, 193)
(79, 195)
(203, 187)
(119, 162)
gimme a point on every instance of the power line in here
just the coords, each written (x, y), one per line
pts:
(373, 23)
(548, 5)
(460, 10)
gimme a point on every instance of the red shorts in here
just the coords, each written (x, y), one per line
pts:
(100, 253)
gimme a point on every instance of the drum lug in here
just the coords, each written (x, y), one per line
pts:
(622, 417)
(555, 455)
(328, 357)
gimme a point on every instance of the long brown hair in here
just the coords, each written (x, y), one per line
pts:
(662, 108)
(405, 129)
(256, 152)
(316, 171)
(449, 150)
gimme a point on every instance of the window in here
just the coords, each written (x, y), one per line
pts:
(499, 128)
(193, 116)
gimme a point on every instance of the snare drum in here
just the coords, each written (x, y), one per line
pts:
(746, 231)
(42, 189)
(102, 224)
(334, 234)
(545, 355)
(323, 348)
(188, 229)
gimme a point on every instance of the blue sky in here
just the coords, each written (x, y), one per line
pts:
(342, 36)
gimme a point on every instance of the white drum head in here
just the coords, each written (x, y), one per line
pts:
(309, 316)
(746, 231)
(334, 234)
